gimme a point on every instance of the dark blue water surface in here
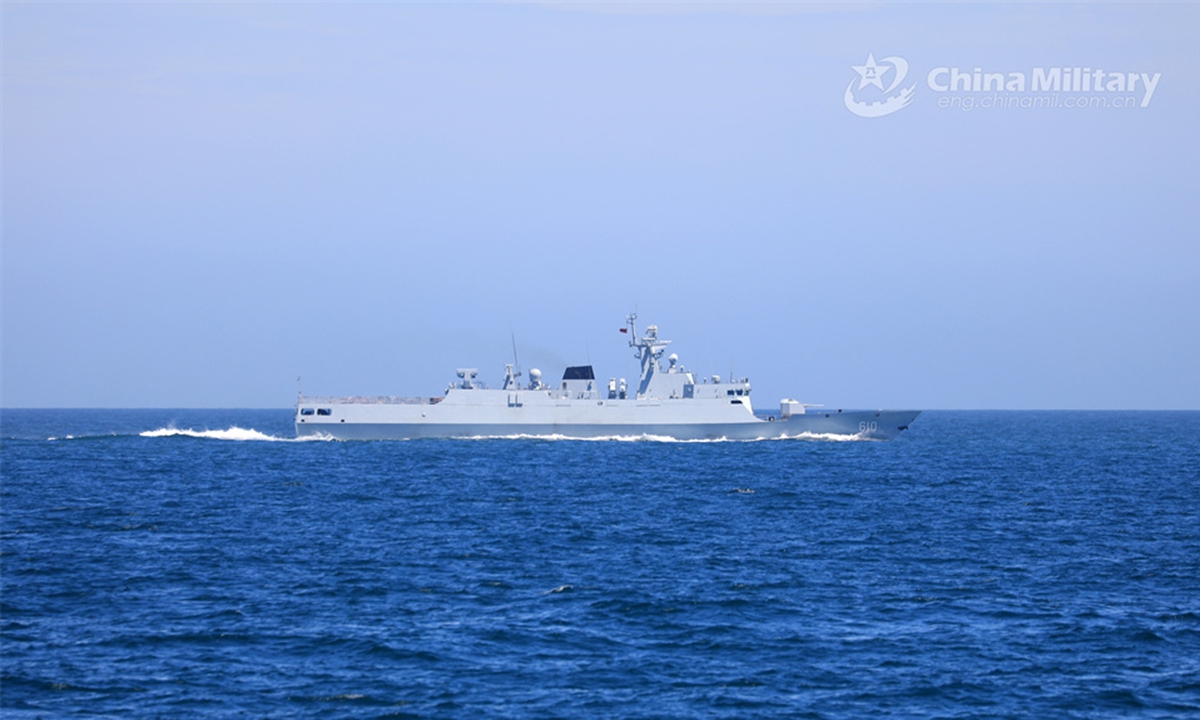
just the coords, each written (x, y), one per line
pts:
(984, 565)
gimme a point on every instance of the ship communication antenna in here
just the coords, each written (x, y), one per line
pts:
(516, 362)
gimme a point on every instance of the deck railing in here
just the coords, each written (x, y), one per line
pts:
(367, 400)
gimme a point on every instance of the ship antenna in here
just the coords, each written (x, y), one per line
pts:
(516, 362)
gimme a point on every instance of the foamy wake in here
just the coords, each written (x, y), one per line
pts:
(819, 437)
(231, 433)
(575, 438)
(826, 437)
(241, 434)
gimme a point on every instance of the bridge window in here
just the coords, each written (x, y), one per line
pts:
(306, 411)
(324, 411)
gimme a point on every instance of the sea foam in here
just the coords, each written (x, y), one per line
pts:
(231, 433)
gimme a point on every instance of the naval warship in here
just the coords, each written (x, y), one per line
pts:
(669, 402)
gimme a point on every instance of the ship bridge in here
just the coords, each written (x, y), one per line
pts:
(676, 381)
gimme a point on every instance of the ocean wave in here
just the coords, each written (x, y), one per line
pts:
(233, 432)
(61, 438)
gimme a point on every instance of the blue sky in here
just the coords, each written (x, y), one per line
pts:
(203, 202)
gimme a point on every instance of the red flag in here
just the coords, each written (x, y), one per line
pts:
(625, 330)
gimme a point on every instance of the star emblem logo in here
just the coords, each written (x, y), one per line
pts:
(871, 73)
(878, 99)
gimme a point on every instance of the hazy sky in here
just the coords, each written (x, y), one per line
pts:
(203, 202)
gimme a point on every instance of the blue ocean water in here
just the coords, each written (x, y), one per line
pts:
(983, 565)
